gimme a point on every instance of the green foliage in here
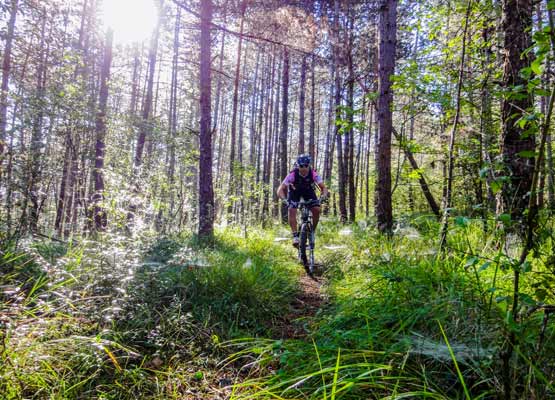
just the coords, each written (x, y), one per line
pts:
(386, 299)
(400, 320)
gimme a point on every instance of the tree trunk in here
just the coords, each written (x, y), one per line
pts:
(284, 126)
(516, 22)
(232, 180)
(349, 138)
(173, 113)
(146, 127)
(451, 160)
(6, 67)
(311, 142)
(341, 173)
(302, 96)
(99, 215)
(386, 61)
(37, 134)
(206, 191)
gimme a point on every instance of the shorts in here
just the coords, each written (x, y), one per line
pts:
(307, 195)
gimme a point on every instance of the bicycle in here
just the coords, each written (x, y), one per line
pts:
(306, 234)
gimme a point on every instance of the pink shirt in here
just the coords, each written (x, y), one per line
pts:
(290, 179)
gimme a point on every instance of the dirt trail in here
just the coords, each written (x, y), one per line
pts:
(306, 303)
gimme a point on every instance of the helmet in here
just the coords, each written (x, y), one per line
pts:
(304, 159)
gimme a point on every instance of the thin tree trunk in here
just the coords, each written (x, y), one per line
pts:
(451, 160)
(386, 60)
(99, 215)
(516, 23)
(206, 191)
(37, 134)
(232, 180)
(311, 143)
(173, 113)
(146, 128)
(6, 70)
(284, 126)
(341, 173)
(302, 97)
(349, 138)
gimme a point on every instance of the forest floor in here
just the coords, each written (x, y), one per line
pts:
(303, 307)
(295, 324)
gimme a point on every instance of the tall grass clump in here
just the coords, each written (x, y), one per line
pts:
(111, 318)
(436, 320)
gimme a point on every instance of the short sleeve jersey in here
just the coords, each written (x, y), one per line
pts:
(290, 179)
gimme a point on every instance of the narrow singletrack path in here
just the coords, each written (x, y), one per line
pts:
(295, 324)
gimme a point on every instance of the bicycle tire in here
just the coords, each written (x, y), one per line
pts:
(302, 247)
(312, 245)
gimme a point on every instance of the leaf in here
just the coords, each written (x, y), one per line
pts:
(527, 299)
(485, 266)
(526, 267)
(527, 154)
(495, 186)
(484, 172)
(505, 218)
(537, 66)
(541, 294)
(462, 221)
(470, 261)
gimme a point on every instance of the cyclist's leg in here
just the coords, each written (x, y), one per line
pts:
(292, 216)
(293, 195)
(311, 195)
(293, 219)
(315, 216)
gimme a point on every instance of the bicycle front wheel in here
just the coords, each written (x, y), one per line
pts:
(303, 241)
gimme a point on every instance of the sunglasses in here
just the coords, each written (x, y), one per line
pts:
(303, 165)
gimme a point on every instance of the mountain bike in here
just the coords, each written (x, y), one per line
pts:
(306, 236)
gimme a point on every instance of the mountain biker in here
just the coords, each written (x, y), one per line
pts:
(299, 183)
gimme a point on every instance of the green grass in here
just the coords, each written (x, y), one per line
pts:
(160, 318)
(387, 296)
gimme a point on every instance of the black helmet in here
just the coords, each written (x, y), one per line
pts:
(304, 159)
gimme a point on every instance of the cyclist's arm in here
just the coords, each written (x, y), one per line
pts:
(323, 189)
(282, 191)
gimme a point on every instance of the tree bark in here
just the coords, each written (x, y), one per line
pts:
(302, 97)
(6, 69)
(232, 180)
(206, 191)
(349, 138)
(386, 62)
(37, 134)
(284, 126)
(311, 137)
(516, 23)
(451, 160)
(146, 126)
(99, 214)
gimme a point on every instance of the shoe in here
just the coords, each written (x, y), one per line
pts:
(295, 241)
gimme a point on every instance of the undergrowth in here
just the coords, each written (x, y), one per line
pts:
(109, 319)
(170, 319)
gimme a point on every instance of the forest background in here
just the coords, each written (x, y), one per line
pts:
(426, 119)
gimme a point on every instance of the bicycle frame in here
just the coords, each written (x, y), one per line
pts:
(306, 235)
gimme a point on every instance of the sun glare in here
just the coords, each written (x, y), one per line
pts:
(131, 20)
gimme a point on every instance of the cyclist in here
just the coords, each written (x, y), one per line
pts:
(300, 183)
